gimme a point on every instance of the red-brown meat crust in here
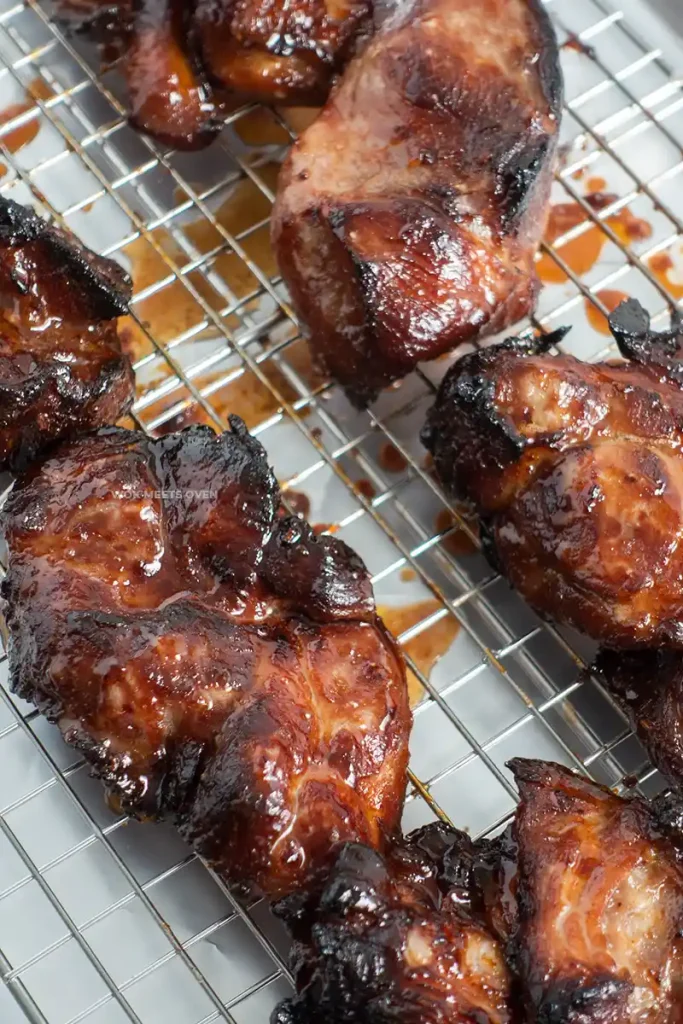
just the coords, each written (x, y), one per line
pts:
(217, 664)
(62, 370)
(394, 939)
(185, 64)
(599, 903)
(576, 472)
(408, 214)
(648, 685)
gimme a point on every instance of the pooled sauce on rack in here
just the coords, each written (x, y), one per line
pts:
(15, 140)
(427, 647)
(458, 542)
(661, 266)
(610, 299)
(391, 459)
(173, 310)
(583, 252)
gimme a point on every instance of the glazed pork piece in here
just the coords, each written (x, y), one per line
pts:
(153, 44)
(395, 939)
(280, 52)
(595, 904)
(573, 915)
(216, 662)
(62, 370)
(408, 214)
(187, 64)
(576, 473)
(648, 686)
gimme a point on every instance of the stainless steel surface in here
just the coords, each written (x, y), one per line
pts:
(106, 920)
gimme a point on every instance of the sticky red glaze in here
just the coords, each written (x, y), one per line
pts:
(62, 370)
(186, 63)
(599, 894)
(409, 212)
(648, 685)
(217, 664)
(577, 473)
(394, 938)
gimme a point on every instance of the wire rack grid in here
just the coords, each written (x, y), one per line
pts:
(106, 920)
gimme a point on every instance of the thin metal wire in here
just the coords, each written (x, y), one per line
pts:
(247, 354)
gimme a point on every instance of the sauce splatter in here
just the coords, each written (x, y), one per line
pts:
(458, 542)
(391, 459)
(661, 266)
(17, 138)
(299, 502)
(582, 253)
(596, 185)
(325, 528)
(408, 575)
(365, 487)
(610, 299)
(427, 647)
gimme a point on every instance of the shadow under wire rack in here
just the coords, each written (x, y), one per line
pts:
(104, 920)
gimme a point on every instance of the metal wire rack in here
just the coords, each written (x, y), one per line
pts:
(106, 920)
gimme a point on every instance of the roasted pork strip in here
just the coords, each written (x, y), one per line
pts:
(576, 473)
(218, 664)
(408, 214)
(62, 370)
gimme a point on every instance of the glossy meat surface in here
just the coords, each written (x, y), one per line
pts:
(648, 685)
(279, 52)
(395, 939)
(62, 370)
(217, 663)
(408, 214)
(599, 905)
(187, 64)
(576, 472)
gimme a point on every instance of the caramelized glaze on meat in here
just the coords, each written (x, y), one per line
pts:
(62, 370)
(648, 685)
(185, 64)
(576, 471)
(154, 44)
(217, 664)
(394, 939)
(599, 905)
(283, 52)
(408, 214)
